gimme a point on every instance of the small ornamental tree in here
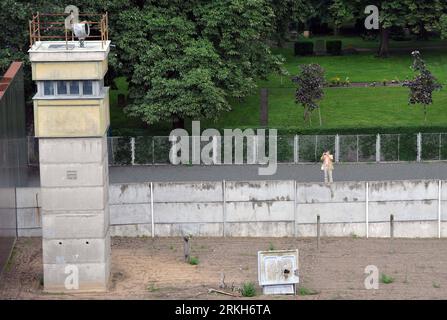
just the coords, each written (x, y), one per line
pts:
(310, 89)
(423, 85)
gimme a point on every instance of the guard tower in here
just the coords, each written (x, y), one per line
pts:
(68, 54)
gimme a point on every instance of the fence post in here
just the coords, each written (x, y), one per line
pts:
(295, 149)
(419, 147)
(378, 148)
(391, 226)
(357, 148)
(153, 149)
(152, 211)
(367, 209)
(318, 233)
(439, 207)
(440, 146)
(295, 231)
(224, 207)
(337, 148)
(132, 148)
(316, 146)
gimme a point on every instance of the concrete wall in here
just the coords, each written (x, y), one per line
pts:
(267, 209)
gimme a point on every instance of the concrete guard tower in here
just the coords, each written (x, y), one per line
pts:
(71, 118)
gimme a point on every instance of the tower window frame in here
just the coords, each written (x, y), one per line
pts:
(70, 88)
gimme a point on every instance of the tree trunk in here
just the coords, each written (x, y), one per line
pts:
(425, 113)
(178, 123)
(384, 42)
(423, 34)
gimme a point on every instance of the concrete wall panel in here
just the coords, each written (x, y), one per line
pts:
(80, 150)
(336, 192)
(78, 225)
(63, 251)
(332, 230)
(82, 198)
(26, 197)
(131, 230)
(194, 229)
(28, 218)
(130, 213)
(260, 191)
(73, 175)
(408, 229)
(188, 212)
(403, 190)
(331, 212)
(403, 211)
(129, 193)
(93, 277)
(188, 192)
(259, 211)
(259, 229)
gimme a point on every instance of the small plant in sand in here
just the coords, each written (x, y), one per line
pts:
(303, 291)
(152, 288)
(248, 289)
(193, 261)
(386, 279)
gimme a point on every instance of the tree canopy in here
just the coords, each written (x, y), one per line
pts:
(423, 84)
(186, 59)
(309, 90)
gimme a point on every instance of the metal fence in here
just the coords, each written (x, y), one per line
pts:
(150, 150)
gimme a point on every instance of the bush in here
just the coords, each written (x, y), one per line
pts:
(386, 279)
(193, 261)
(304, 48)
(333, 47)
(248, 289)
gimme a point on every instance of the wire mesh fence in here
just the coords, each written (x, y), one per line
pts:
(148, 150)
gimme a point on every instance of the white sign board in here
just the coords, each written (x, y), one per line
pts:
(278, 271)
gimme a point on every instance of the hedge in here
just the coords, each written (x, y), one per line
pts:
(304, 48)
(333, 47)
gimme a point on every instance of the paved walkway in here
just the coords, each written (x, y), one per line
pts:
(300, 172)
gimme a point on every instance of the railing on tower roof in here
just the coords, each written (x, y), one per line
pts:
(51, 26)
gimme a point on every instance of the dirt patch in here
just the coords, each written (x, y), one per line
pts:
(145, 268)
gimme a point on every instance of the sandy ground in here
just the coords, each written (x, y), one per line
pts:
(145, 268)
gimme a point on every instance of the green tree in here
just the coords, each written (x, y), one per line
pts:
(423, 85)
(286, 12)
(186, 59)
(310, 84)
(424, 16)
(443, 26)
(421, 16)
(341, 12)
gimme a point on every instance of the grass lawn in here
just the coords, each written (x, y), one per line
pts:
(362, 67)
(342, 109)
(347, 108)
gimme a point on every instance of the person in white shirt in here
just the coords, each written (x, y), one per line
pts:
(327, 167)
